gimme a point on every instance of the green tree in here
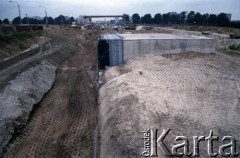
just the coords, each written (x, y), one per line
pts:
(190, 17)
(6, 21)
(204, 19)
(16, 20)
(71, 19)
(43, 21)
(34, 21)
(174, 18)
(222, 20)
(157, 19)
(198, 18)
(0, 21)
(183, 16)
(60, 20)
(50, 20)
(165, 18)
(136, 18)
(147, 19)
(24, 20)
(212, 20)
(126, 18)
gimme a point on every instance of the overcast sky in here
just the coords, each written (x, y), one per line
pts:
(113, 7)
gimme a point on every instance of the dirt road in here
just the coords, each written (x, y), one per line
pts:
(62, 125)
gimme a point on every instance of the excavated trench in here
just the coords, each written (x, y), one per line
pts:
(62, 124)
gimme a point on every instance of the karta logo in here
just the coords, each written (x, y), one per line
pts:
(152, 142)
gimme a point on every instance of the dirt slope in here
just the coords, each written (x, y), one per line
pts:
(63, 123)
(190, 94)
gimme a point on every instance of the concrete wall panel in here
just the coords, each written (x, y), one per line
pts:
(123, 47)
(134, 48)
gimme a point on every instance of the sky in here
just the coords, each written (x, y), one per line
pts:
(116, 7)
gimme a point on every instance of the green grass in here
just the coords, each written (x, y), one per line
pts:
(13, 43)
(17, 37)
(234, 46)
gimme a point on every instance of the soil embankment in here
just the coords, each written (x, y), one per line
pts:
(62, 124)
(190, 94)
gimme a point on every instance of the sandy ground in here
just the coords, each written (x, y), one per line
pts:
(190, 94)
(63, 123)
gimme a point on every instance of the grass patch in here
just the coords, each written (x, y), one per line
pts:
(18, 37)
(234, 46)
(13, 43)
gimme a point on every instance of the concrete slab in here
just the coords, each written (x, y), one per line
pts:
(123, 47)
(157, 36)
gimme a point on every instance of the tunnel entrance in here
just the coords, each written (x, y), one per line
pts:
(103, 54)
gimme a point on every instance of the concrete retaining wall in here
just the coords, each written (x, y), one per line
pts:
(122, 47)
(135, 48)
(115, 52)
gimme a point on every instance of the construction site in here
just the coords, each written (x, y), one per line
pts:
(92, 92)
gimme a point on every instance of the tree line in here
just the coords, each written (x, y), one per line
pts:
(170, 18)
(60, 20)
(184, 17)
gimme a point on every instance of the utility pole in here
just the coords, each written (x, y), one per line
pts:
(19, 11)
(27, 19)
(45, 15)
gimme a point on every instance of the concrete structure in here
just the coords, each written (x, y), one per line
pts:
(115, 49)
(89, 17)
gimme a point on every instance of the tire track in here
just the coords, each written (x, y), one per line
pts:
(63, 123)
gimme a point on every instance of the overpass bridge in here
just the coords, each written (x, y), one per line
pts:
(90, 17)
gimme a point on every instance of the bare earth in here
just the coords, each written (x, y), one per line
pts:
(63, 124)
(190, 94)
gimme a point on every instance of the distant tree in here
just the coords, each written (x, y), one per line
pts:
(222, 20)
(25, 20)
(16, 20)
(204, 19)
(126, 18)
(198, 18)
(136, 18)
(147, 19)
(0, 21)
(174, 18)
(165, 18)
(6, 21)
(43, 21)
(183, 16)
(212, 20)
(50, 20)
(190, 17)
(60, 20)
(157, 19)
(71, 19)
(34, 21)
